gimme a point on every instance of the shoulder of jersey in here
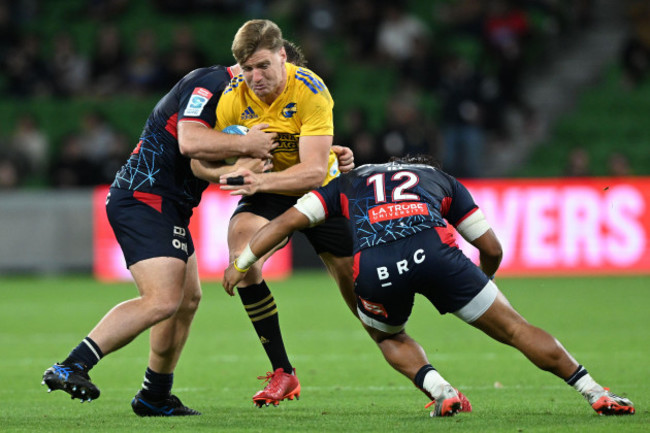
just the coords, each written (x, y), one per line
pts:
(310, 80)
(235, 82)
(210, 77)
(201, 72)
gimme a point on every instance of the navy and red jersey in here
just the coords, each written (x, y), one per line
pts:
(156, 165)
(392, 201)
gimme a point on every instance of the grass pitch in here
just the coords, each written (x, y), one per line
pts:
(346, 384)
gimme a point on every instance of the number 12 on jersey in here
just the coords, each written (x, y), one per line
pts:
(400, 192)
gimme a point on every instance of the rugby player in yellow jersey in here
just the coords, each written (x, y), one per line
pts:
(298, 107)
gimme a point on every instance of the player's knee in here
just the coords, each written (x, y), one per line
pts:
(195, 300)
(380, 336)
(511, 333)
(163, 309)
(191, 303)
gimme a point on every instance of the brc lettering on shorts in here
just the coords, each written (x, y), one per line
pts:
(391, 211)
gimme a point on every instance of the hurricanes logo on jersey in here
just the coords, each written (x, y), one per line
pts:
(248, 114)
(289, 110)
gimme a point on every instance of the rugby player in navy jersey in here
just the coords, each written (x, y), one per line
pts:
(149, 207)
(399, 213)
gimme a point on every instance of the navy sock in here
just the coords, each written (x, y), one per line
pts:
(157, 386)
(87, 353)
(580, 372)
(261, 309)
(419, 378)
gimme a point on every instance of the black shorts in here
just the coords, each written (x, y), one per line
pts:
(147, 225)
(390, 275)
(333, 236)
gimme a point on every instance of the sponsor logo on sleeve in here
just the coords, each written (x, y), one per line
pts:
(198, 100)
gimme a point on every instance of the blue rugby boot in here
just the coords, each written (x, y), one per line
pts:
(71, 378)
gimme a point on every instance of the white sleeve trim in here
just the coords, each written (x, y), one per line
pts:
(473, 226)
(311, 206)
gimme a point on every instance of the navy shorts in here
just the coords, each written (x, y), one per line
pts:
(333, 236)
(147, 225)
(390, 275)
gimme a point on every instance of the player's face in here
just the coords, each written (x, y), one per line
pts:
(265, 73)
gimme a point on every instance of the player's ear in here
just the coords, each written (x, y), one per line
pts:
(283, 54)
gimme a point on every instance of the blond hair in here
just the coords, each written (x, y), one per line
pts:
(256, 35)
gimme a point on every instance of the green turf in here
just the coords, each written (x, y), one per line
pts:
(346, 385)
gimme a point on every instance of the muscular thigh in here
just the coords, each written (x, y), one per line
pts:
(253, 212)
(192, 283)
(148, 226)
(340, 268)
(162, 278)
(499, 319)
(242, 227)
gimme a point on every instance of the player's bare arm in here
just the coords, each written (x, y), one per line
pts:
(308, 174)
(197, 141)
(262, 242)
(490, 252)
(213, 170)
(476, 230)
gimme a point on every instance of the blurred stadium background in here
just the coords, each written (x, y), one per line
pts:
(544, 101)
(502, 89)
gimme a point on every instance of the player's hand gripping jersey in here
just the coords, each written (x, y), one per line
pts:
(388, 202)
(156, 165)
(303, 109)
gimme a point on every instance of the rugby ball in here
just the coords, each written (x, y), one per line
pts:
(236, 130)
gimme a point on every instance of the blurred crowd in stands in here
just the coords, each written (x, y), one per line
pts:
(475, 84)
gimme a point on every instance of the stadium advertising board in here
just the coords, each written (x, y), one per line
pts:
(208, 226)
(580, 226)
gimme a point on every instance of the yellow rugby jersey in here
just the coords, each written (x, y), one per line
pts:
(304, 108)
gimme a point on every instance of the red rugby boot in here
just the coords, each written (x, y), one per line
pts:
(280, 386)
(608, 403)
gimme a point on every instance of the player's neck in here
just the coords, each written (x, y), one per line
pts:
(235, 70)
